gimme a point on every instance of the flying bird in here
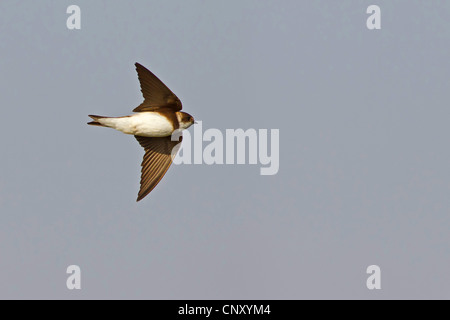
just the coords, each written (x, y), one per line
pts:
(153, 124)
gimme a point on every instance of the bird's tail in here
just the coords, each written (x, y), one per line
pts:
(95, 122)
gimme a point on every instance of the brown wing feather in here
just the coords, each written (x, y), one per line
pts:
(156, 94)
(156, 161)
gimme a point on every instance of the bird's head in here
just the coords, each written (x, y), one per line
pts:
(185, 120)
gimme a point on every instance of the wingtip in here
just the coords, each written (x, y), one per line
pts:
(140, 196)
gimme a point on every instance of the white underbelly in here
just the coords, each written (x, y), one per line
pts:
(145, 124)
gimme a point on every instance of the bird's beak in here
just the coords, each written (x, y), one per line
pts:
(195, 122)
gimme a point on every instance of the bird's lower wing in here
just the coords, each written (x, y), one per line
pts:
(159, 153)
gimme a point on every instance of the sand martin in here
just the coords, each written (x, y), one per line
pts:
(152, 125)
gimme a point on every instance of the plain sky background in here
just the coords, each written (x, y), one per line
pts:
(364, 155)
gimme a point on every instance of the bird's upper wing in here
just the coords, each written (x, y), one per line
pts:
(159, 153)
(156, 94)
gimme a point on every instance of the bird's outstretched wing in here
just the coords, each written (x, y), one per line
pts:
(156, 95)
(159, 153)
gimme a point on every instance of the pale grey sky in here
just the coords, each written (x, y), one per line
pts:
(364, 162)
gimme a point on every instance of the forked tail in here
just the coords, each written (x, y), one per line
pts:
(95, 122)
